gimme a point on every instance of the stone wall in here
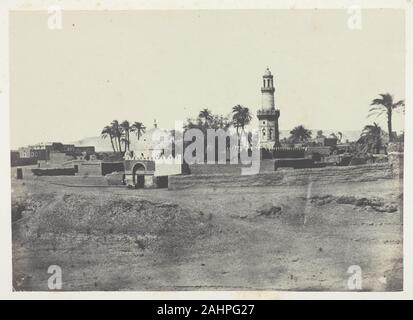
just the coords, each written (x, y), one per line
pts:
(23, 162)
(202, 169)
(92, 168)
(370, 172)
(109, 167)
(54, 171)
(76, 181)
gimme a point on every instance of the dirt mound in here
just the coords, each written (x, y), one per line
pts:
(377, 204)
(141, 221)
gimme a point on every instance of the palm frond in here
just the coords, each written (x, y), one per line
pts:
(376, 102)
(376, 113)
(399, 104)
(376, 108)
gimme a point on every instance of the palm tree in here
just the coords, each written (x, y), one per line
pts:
(372, 138)
(206, 115)
(138, 128)
(107, 132)
(241, 117)
(117, 133)
(236, 115)
(300, 134)
(337, 136)
(126, 129)
(385, 105)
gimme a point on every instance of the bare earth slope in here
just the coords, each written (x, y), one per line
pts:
(251, 238)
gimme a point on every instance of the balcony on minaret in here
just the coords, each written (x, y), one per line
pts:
(270, 90)
(268, 112)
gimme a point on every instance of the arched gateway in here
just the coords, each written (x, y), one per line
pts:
(149, 173)
(138, 175)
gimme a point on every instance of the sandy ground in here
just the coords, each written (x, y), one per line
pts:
(262, 238)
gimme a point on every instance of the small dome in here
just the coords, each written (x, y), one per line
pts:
(267, 72)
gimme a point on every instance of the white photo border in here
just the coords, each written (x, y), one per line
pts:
(6, 291)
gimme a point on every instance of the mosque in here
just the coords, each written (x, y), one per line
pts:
(145, 167)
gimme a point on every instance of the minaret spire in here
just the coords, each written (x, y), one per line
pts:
(268, 115)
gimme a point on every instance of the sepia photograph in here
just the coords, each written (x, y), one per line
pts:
(207, 149)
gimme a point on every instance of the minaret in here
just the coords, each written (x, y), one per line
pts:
(268, 115)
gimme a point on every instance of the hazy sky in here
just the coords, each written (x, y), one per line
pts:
(166, 65)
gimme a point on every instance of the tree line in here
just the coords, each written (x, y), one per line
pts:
(372, 138)
(120, 134)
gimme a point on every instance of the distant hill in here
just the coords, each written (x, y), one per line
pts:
(102, 145)
(99, 143)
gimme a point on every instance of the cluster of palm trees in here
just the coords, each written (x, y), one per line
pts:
(373, 138)
(386, 105)
(240, 117)
(119, 134)
(207, 120)
(300, 134)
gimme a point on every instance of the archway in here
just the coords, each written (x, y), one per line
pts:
(138, 174)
